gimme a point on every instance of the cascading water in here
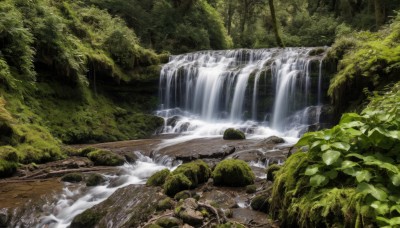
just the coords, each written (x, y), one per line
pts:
(262, 92)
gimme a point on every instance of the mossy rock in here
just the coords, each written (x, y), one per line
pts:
(72, 177)
(85, 151)
(95, 179)
(260, 203)
(7, 168)
(9, 153)
(231, 225)
(158, 178)
(196, 171)
(251, 189)
(165, 204)
(185, 195)
(87, 219)
(271, 171)
(176, 183)
(234, 173)
(106, 158)
(153, 226)
(168, 222)
(233, 134)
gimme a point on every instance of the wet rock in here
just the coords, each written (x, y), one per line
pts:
(106, 158)
(187, 212)
(72, 177)
(165, 204)
(130, 157)
(271, 141)
(3, 218)
(172, 121)
(86, 219)
(95, 179)
(223, 199)
(223, 152)
(250, 189)
(260, 202)
(76, 162)
(127, 207)
(249, 155)
(168, 222)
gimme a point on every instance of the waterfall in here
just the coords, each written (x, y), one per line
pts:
(205, 92)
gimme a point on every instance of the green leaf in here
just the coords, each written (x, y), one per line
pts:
(349, 117)
(363, 175)
(395, 208)
(330, 157)
(318, 180)
(359, 156)
(325, 147)
(380, 208)
(348, 164)
(332, 174)
(305, 140)
(377, 193)
(341, 146)
(395, 179)
(354, 132)
(311, 170)
(316, 144)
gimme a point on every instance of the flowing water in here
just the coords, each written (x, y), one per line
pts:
(262, 92)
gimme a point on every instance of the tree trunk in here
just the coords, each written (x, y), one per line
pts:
(230, 15)
(379, 13)
(275, 24)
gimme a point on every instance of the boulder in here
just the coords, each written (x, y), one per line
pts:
(158, 178)
(196, 171)
(168, 222)
(176, 183)
(94, 179)
(106, 158)
(233, 134)
(234, 173)
(188, 213)
(72, 177)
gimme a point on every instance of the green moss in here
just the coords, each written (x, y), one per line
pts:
(85, 151)
(72, 177)
(271, 171)
(9, 153)
(197, 172)
(88, 218)
(106, 158)
(233, 172)
(7, 168)
(176, 183)
(94, 179)
(165, 204)
(231, 225)
(158, 178)
(168, 222)
(233, 134)
(260, 203)
(184, 195)
(251, 189)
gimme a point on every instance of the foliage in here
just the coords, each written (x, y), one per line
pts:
(197, 172)
(233, 172)
(106, 158)
(360, 155)
(158, 178)
(233, 134)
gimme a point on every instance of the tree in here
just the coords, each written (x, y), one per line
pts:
(379, 12)
(275, 24)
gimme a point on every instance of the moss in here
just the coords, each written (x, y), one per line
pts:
(233, 172)
(7, 168)
(168, 222)
(260, 203)
(176, 183)
(233, 134)
(165, 204)
(106, 158)
(72, 177)
(88, 219)
(197, 172)
(231, 225)
(94, 179)
(9, 153)
(158, 178)
(251, 189)
(186, 194)
(85, 151)
(153, 226)
(271, 171)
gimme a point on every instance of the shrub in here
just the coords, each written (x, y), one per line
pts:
(233, 172)
(176, 183)
(106, 158)
(158, 178)
(232, 134)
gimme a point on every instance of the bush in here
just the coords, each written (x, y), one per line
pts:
(197, 172)
(72, 177)
(233, 134)
(233, 172)
(106, 158)
(176, 183)
(158, 178)
(95, 179)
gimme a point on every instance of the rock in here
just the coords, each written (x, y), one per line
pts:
(271, 171)
(186, 194)
(95, 179)
(271, 141)
(76, 162)
(3, 218)
(233, 134)
(168, 222)
(220, 199)
(106, 158)
(158, 178)
(176, 183)
(187, 212)
(127, 207)
(165, 204)
(130, 157)
(197, 172)
(260, 203)
(72, 177)
(234, 173)
(88, 218)
(249, 155)
(172, 121)
(250, 189)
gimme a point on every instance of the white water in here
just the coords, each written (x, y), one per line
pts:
(74, 201)
(204, 93)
